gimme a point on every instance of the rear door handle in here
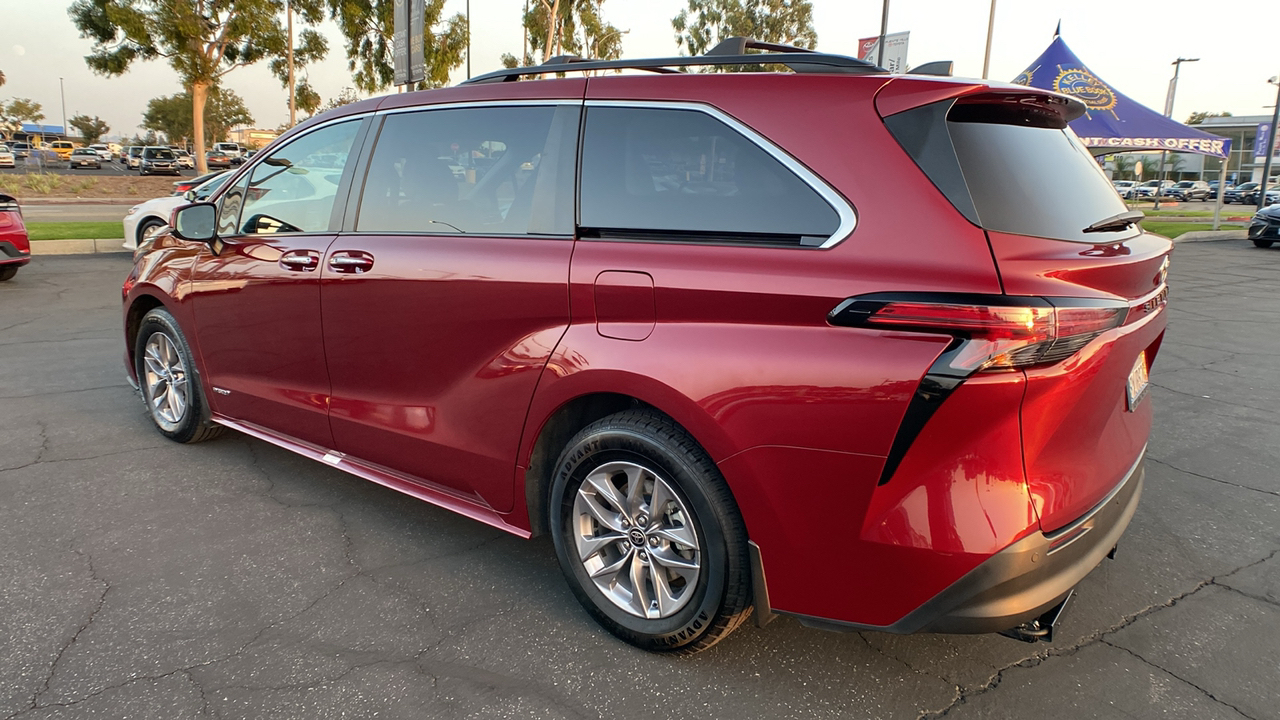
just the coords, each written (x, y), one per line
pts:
(300, 260)
(351, 261)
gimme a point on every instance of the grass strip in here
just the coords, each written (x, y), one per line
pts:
(1174, 229)
(74, 230)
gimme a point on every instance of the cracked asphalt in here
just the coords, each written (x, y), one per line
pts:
(231, 579)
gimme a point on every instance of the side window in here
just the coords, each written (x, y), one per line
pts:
(478, 170)
(684, 175)
(293, 189)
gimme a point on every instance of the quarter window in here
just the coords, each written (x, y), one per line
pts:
(459, 171)
(684, 175)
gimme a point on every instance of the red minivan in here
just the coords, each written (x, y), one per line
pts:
(812, 342)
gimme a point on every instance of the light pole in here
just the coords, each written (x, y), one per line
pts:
(1270, 148)
(884, 28)
(62, 88)
(1168, 112)
(991, 26)
(468, 39)
(293, 102)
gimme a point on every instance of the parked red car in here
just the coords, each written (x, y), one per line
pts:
(15, 246)
(798, 342)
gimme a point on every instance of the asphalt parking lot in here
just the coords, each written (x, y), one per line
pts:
(231, 579)
(108, 168)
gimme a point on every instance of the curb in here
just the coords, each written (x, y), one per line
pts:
(1212, 235)
(85, 246)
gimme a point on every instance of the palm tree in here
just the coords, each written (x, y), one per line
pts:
(1123, 164)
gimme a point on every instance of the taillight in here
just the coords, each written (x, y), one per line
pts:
(1000, 333)
(990, 333)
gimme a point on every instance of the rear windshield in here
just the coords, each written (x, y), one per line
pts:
(1011, 166)
(1034, 181)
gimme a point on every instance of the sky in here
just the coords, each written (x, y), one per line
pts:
(1130, 45)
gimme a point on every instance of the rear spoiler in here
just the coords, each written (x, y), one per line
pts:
(906, 93)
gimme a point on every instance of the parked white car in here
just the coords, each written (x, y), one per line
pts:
(6, 157)
(184, 159)
(144, 220)
(104, 152)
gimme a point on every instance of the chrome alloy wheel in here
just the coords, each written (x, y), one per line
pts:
(165, 380)
(636, 540)
(152, 230)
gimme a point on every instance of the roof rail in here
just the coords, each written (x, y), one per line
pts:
(731, 51)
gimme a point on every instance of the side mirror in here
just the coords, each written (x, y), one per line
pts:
(196, 223)
(189, 196)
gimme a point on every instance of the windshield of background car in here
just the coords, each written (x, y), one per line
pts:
(204, 190)
(1007, 166)
(135, 151)
(84, 151)
(158, 154)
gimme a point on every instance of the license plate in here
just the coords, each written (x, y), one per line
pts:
(1138, 383)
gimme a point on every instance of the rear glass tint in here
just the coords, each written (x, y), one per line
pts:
(684, 175)
(1034, 181)
(1011, 167)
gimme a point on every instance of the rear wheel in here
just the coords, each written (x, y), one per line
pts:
(169, 381)
(7, 273)
(648, 534)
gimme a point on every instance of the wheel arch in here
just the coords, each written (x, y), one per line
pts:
(143, 222)
(575, 401)
(139, 306)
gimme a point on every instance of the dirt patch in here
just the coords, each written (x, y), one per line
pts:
(50, 185)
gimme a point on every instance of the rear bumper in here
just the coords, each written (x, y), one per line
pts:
(1025, 579)
(11, 255)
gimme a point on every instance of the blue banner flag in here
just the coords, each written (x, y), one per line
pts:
(1112, 122)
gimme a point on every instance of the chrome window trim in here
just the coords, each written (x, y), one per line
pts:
(848, 217)
(521, 102)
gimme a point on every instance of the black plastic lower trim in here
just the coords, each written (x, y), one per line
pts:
(1024, 580)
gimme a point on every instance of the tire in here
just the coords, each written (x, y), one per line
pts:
(7, 273)
(700, 534)
(1258, 242)
(161, 353)
(146, 226)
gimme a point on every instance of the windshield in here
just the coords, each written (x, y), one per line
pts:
(159, 154)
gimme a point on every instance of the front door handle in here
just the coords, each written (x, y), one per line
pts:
(300, 260)
(351, 261)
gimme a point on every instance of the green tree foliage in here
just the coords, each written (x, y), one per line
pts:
(91, 128)
(24, 110)
(171, 116)
(1198, 117)
(568, 27)
(704, 23)
(1122, 165)
(305, 98)
(203, 40)
(345, 97)
(367, 27)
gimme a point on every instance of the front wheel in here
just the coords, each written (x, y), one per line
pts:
(169, 382)
(648, 534)
(1259, 242)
